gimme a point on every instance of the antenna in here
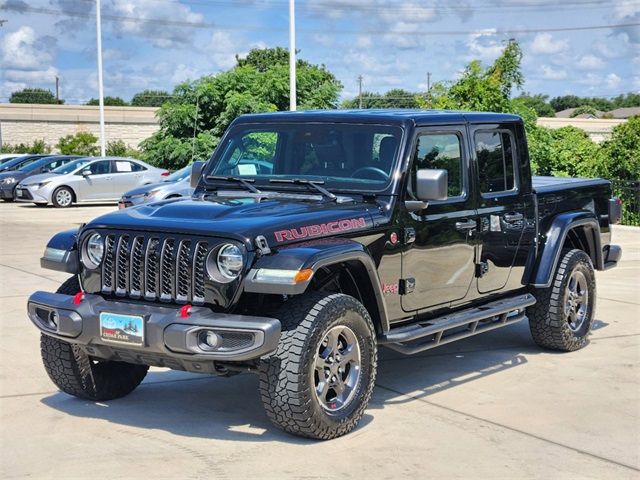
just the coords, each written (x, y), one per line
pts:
(195, 127)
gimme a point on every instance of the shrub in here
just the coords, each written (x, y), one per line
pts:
(82, 143)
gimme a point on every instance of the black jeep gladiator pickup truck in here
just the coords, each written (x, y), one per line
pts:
(314, 237)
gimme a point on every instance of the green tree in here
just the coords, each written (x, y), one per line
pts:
(82, 143)
(34, 95)
(539, 103)
(109, 102)
(150, 98)
(394, 98)
(479, 88)
(626, 100)
(198, 112)
(621, 154)
(117, 148)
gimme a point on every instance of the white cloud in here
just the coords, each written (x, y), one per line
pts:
(545, 44)
(551, 73)
(484, 45)
(22, 49)
(223, 50)
(183, 73)
(590, 62)
(363, 41)
(613, 81)
(157, 21)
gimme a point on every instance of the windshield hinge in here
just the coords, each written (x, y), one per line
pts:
(262, 245)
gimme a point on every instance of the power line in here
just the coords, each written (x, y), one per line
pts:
(209, 25)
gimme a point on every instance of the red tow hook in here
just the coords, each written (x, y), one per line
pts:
(77, 298)
(185, 311)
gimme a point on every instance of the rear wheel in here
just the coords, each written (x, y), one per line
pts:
(62, 197)
(562, 316)
(76, 373)
(319, 381)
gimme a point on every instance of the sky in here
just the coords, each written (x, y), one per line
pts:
(155, 44)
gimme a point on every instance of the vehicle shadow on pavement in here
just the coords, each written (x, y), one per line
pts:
(195, 405)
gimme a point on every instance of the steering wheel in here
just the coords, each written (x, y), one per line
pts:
(376, 170)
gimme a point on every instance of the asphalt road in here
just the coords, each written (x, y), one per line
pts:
(493, 406)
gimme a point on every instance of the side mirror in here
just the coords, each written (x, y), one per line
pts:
(86, 172)
(196, 172)
(431, 184)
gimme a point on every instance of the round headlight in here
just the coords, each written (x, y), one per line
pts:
(93, 251)
(226, 265)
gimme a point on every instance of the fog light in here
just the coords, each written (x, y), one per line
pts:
(208, 340)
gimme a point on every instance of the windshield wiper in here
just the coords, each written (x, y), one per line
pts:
(244, 182)
(312, 183)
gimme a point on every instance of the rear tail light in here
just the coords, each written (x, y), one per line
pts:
(165, 173)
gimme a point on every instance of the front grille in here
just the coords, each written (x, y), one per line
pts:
(165, 269)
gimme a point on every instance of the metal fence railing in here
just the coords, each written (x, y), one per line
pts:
(629, 193)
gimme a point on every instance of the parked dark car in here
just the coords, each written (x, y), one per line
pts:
(5, 157)
(21, 161)
(11, 178)
(313, 238)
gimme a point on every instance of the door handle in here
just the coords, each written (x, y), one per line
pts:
(512, 217)
(466, 225)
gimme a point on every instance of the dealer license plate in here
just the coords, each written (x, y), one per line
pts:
(115, 327)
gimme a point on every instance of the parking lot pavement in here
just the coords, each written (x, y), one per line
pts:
(493, 406)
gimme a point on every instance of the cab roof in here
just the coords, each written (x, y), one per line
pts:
(381, 116)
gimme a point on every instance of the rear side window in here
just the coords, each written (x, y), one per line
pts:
(136, 167)
(440, 151)
(496, 161)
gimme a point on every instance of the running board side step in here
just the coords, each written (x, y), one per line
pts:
(432, 333)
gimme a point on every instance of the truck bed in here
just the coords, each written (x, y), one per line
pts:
(555, 184)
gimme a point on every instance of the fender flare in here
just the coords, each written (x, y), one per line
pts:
(315, 255)
(560, 227)
(61, 252)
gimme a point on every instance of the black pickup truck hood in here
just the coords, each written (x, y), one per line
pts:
(280, 220)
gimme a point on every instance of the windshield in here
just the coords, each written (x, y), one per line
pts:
(18, 162)
(179, 174)
(343, 156)
(71, 167)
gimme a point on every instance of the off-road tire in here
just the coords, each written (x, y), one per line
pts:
(547, 321)
(54, 198)
(76, 373)
(286, 377)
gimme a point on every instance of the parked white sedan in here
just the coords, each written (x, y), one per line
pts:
(89, 179)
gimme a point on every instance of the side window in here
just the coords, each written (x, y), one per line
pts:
(496, 161)
(99, 168)
(440, 151)
(124, 166)
(136, 167)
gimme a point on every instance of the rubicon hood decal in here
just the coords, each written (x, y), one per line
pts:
(321, 229)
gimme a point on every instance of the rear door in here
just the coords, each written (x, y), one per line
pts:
(126, 176)
(438, 258)
(505, 209)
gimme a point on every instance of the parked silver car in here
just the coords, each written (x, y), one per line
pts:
(89, 179)
(174, 186)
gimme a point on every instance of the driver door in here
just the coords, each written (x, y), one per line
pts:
(438, 260)
(94, 182)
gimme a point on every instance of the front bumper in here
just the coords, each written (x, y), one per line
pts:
(6, 191)
(28, 194)
(169, 340)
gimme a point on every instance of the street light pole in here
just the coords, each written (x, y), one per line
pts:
(292, 56)
(100, 87)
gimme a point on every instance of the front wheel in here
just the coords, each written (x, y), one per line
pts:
(318, 382)
(76, 373)
(562, 316)
(62, 197)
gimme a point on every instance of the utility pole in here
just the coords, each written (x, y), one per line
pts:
(57, 90)
(360, 91)
(428, 82)
(103, 149)
(292, 56)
